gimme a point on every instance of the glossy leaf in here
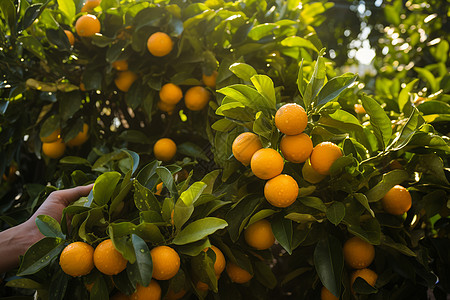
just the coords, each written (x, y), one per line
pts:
(329, 263)
(49, 227)
(379, 120)
(104, 187)
(198, 230)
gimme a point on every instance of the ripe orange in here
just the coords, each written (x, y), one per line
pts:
(296, 148)
(125, 80)
(170, 94)
(80, 138)
(210, 80)
(219, 264)
(201, 286)
(82, 87)
(164, 149)
(150, 292)
(281, 191)
(119, 296)
(159, 44)
(309, 174)
(323, 156)
(107, 259)
(237, 274)
(159, 188)
(244, 146)
(168, 108)
(54, 149)
(196, 98)
(359, 109)
(171, 295)
(166, 262)
(77, 259)
(70, 37)
(397, 200)
(367, 274)
(87, 25)
(259, 235)
(52, 137)
(358, 254)
(291, 119)
(325, 294)
(90, 5)
(120, 65)
(266, 163)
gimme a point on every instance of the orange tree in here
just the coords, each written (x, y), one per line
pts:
(170, 229)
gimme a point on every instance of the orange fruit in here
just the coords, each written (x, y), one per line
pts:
(166, 262)
(87, 25)
(397, 200)
(323, 156)
(168, 108)
(325, 294)
(54, 149)
(119, 296)
(281, 191)
(237, 274)
(266, 163)
(70, 37)
(244, 146)
(259, 235)
(171, 295)
(150, 292)
(291, 119)
(159, 188)
(52, 137)
(82, 87)
(90, 5)
(359, 109)
(296, 148)
(170, 94)
(159, 44)
(164, 149)
(201, 286)
(107, 259)
(196, 98)
(358, 254)
(210, 80)
(125, 80)
(80, 138)
(77, 259)
(367, 274)
(120, 65)
(219, 264)
(309, 174)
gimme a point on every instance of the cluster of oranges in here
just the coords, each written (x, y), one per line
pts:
(281, 190)
(80, 258)
(53, 145)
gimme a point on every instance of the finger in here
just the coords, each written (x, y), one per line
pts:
(67, 196)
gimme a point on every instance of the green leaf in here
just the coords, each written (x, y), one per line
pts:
(147, 175)
(300, 218)
(262, 214)
(240, 213)
(409, 129)
(223, 125)
(49, 227)
(184, 207)
(142, 269)
(144, 199)
(9, 13)
(147, 231)
(100, 289)
(282, 230)
(243, 71)
(31, 14)
(313, 202)
(329, 263)
(403, 97)
(24, 283)
(192, 150)
(74, 160)
(300, 79)
(58, 285)
(134, 136)
(296, 41)
(264, 274)
(388, 181)
(210, 179)
(264, 127)
(33, 45)
(69, 105)
(336, 212)
(334, 87)
(247, 96)
(369, 230)
(428, 77)
(40, 254)
(167, 179)
(104, 187)
(316, 82)
(198, 230)
(50, 125)
(264, 85)
(379, 120)
(364, 202)
(361, 286)
(389, 242)
(67, 7)
(341, 119)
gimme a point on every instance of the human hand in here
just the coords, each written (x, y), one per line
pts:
(16, 240)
